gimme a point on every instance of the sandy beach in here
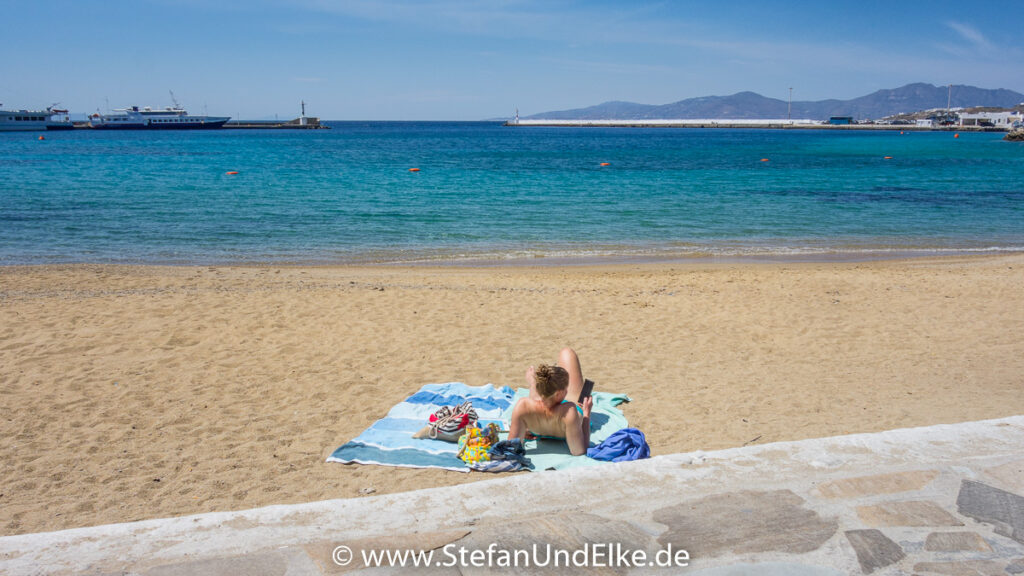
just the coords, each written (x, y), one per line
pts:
(139, 392)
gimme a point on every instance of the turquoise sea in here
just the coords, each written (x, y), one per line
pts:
(489, 192)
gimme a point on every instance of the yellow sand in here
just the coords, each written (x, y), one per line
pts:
(141, 392)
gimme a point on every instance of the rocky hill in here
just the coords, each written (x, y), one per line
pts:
(750, 105)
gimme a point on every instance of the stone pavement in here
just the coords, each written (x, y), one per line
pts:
(941, 500)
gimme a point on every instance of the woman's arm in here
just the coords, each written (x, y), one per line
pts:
(517, 425)
(577, 428)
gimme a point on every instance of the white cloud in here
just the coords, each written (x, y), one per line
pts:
(972, 35)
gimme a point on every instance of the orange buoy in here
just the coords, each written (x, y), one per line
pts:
(605, 163)
(42, 138)
(901, 131)
(887, 158)
(232, 172)
(956, 135)
(764, 159)
(414, 169)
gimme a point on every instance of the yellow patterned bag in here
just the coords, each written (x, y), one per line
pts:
(475, 443)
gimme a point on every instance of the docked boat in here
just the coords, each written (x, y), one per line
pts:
(59, 119)
(169, 118)
(22, 120)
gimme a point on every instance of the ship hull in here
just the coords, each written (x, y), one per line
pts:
(17, 128)
(212, 125)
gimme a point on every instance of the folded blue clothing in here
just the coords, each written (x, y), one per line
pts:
(497, 466)
(511, 451)
(622, 445)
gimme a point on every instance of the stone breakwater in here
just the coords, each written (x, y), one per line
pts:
(741, 123)
(1015, 135)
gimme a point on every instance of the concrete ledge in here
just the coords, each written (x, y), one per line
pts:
(819, 484)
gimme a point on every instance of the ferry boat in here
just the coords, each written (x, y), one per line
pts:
(21, 120)
(169, 118)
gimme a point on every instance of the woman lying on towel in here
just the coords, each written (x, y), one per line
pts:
(551, 410)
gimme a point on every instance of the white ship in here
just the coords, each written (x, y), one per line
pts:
(21, 120)
(169, 118)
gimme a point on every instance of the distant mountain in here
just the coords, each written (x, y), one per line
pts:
(750, 105)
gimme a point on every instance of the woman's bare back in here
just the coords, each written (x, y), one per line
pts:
(543, 421)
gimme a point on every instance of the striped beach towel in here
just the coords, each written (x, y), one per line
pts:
(389, 441)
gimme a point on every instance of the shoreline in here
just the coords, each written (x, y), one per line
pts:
(577, 258)
(697, 259)
(157, 391)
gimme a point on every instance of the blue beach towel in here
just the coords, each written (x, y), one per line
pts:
(389, 441)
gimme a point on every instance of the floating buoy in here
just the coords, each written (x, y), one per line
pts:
(233, 172)
(887, 158)
(764, 159)
(901, 131)
(605, 163)
(956, 135)
(414, 169)
(42, 138)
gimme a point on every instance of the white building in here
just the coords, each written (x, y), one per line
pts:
(996, 119)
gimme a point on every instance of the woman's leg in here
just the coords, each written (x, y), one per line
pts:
(568, 359)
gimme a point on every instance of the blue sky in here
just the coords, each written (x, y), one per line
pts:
(460, 60)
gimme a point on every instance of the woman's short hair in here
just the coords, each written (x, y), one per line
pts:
(550, 379)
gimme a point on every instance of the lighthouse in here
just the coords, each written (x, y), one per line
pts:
(302, 119)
